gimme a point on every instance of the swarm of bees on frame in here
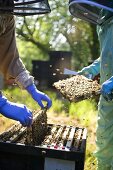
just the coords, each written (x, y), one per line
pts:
(77, 88)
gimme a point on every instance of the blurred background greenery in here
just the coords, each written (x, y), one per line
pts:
(56, 31)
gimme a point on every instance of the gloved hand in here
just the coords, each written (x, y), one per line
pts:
(92, 70)
(107, 89)
(85, 73)
(88, 72)
(15, 111)
(38, 96)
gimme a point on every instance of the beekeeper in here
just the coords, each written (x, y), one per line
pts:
(104, 66)
(12, 67)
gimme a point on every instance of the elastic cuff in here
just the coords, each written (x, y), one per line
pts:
(84, 72)
(88, 72)
(31, 88)
(24, 79)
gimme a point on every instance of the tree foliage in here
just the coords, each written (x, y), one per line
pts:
(57, 31)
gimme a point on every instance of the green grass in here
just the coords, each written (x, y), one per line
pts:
(82, 114)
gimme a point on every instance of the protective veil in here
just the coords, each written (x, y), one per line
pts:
(24, 7)
(89, 10)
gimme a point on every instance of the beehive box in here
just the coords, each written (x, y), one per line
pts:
(62, 148)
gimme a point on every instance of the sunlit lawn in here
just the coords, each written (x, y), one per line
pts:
(82, 114)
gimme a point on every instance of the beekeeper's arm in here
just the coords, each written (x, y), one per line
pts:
(12, 67)
(92, 70)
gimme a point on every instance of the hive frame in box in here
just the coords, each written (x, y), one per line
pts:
(26, 157)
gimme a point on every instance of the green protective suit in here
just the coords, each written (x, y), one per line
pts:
(104, 132)
(104, 65)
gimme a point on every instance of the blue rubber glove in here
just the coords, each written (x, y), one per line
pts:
(38, 96)
(107, 89)
(15, 111)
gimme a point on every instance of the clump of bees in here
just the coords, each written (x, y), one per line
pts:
(36, 133)
(77, 88)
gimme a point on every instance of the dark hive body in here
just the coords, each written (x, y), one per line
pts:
(43, 146)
